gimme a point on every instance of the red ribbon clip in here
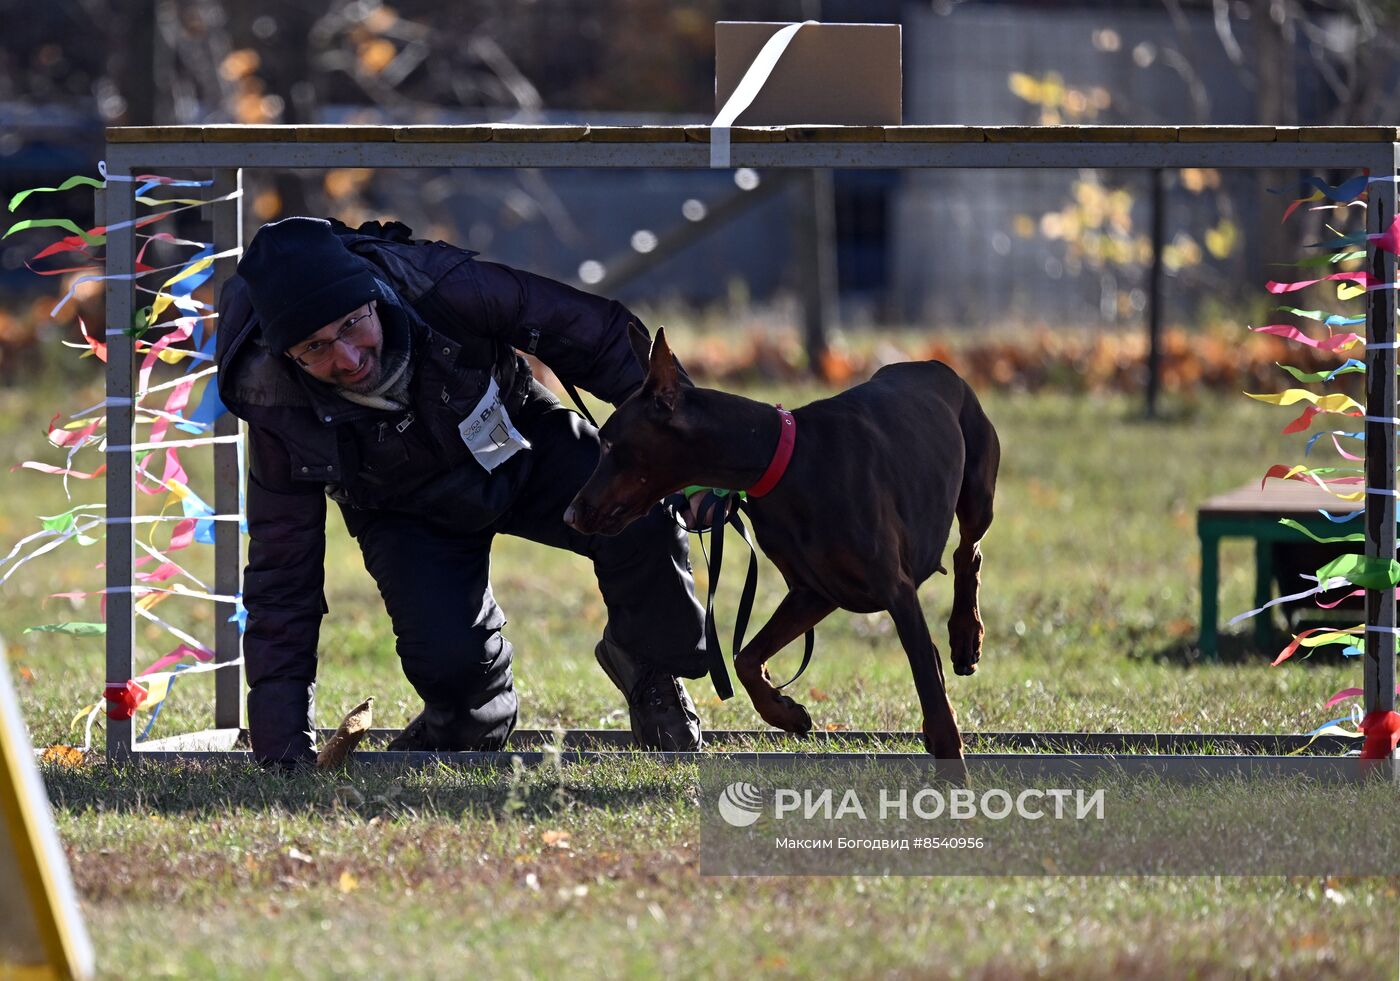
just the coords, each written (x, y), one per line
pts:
(122, 700)
(1382, 734)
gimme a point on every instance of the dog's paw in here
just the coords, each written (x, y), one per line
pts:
(965, 646)
(964, 667)
(943, 746)
(785, 714)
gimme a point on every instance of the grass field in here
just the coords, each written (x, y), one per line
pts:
(1090, 598)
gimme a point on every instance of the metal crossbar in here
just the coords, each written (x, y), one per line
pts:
(1177, 757)
(228, 149)
(846, 740)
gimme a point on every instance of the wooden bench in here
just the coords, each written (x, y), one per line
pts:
(1249, 512)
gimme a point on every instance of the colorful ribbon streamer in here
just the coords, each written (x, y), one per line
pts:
(1317, 637)
(1336, 343)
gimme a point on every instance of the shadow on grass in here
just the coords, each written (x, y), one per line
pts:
(218, 789)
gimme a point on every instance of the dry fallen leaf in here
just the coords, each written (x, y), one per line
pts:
(348, 883)
(347, 737)
(61, 755)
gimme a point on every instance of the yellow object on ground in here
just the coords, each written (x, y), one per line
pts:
(41, 928)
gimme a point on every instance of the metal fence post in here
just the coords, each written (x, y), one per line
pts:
(119, 203)
(1380, 438)
(228, 480)
(816, 258)
(1158, 181)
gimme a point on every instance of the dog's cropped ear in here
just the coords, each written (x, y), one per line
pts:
(641, 343)
(663, 379)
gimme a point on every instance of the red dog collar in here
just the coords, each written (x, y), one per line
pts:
(787, 436)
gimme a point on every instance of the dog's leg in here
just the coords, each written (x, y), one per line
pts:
(941, 736)
(965, 630)
(974, 511)
(799, 610)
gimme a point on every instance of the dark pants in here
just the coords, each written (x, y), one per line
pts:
(436, 587)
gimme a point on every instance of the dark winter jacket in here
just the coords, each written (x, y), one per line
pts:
(466, 318)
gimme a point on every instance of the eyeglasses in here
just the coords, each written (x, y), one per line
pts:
(319, 352)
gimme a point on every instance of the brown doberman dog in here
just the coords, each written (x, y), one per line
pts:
(859, 519)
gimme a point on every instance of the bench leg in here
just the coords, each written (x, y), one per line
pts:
(1210, 599)
(1263, 592)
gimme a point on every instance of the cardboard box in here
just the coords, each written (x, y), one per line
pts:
(830, 74)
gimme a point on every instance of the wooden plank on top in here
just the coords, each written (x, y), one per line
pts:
(155, 134)
(239, 133)
(345, 134)
(740, 134)
(1081, 134)
(1228, 134)
(935, 134)
(834, 134)
(512, 133)
(1349, 134)
(636, 134)
(475, 133)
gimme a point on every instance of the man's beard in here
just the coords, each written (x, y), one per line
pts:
(370, 381)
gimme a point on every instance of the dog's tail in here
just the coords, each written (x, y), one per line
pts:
(981, 461)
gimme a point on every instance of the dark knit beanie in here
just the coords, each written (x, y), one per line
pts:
(301, 278)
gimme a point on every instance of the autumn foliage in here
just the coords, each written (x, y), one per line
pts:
(1039, 360)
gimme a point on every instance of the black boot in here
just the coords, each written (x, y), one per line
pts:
(438, 729)
(663, 716)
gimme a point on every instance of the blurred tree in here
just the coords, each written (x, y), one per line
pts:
(1347, 50)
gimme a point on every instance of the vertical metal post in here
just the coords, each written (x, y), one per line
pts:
(1154, 291)
(119, 204)
(1380, 439)
(228, 477)
(816, 258)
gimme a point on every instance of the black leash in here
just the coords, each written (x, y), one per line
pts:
(719, 671)
(578, 401)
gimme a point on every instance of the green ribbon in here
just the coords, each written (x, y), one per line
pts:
(72, 628)
(62, 223)
(1362, 570)
(67, 185)
(1317, 376)
(1299, 526)
(1327, 260)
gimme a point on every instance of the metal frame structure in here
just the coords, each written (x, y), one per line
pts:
(227, 150)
